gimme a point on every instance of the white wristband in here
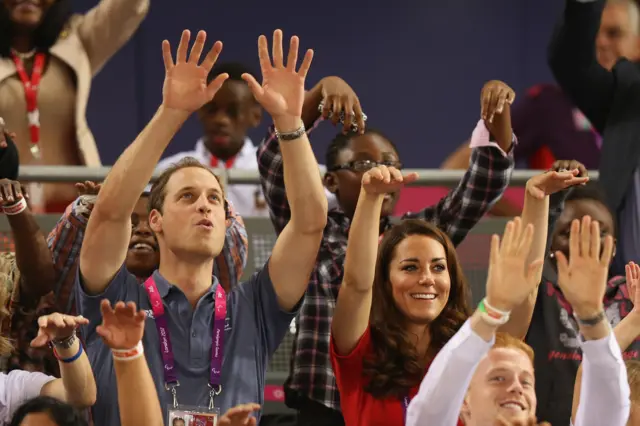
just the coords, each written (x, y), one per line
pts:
(128, 354)
(16, 208)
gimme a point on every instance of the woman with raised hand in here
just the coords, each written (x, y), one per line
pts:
(394, 314)
(48, 57)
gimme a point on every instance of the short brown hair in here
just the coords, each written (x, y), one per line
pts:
(505, 340)
(633, 375)
(159, 188)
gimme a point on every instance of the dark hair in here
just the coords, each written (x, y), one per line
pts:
(394, 367)
(342, 140)
(592, 191)
(159, 188)
(60, 412)
(234, 69)
(53, 23)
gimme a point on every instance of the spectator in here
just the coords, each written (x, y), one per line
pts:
(607, 98)
(45, 46)
(187, 215)
(311, 387)
(225, 122)
(548, 124)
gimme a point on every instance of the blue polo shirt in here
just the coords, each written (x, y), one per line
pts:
(255, 325)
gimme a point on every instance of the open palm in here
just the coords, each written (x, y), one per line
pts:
(185, 83)
(583, 277)
(122, 328)
(510, 281)
(282, 89)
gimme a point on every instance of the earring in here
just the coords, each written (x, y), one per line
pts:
(552, 255)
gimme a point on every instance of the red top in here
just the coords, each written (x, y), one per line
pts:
(359, 408)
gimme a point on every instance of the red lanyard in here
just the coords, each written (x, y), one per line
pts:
(31, 96)
(227, 164)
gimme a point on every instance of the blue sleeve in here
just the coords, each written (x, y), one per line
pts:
(123, 287)
(272, 322)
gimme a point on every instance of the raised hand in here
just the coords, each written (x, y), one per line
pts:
(4, 134)
(632, 271)
(240, 415)
(282, 89)
(493, 98)
(382, 180)
(11, 192)
(185, 82)
(583, 277)
(510, 280)
(560, 177)
(122, 327)
(340, 100)
(88, 188)
(56, 327)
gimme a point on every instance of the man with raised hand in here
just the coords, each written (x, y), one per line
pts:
(205, 347)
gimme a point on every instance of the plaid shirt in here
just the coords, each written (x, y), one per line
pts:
(311, 374)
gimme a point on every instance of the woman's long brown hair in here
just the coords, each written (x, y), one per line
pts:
(394, 366)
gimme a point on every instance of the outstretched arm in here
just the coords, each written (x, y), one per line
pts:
(351, 316)
(109, 228)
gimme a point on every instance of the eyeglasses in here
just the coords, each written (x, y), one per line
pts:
(365, 165)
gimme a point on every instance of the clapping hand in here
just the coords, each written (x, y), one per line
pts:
(510, 280)
(56, 327)
(282, 89)
(185, 82)
(583, 277)
(563, 174)
(4, 134)
(382, 180)
(122, 328)
(240, 415)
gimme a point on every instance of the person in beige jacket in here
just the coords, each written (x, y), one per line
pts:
(44, 37)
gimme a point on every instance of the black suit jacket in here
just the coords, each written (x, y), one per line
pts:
(609, 99)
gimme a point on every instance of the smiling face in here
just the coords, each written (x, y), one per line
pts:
(143, 255)
(27, 14)
(503, 384)
(419, 278)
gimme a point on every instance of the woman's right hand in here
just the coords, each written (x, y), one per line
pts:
(510, 280)
(382, 180)
(562, 175)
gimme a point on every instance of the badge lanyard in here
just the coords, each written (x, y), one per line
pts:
(217, 351)
(31, 86)
(214, 161)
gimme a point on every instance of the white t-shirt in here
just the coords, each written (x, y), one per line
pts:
(18, 387)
